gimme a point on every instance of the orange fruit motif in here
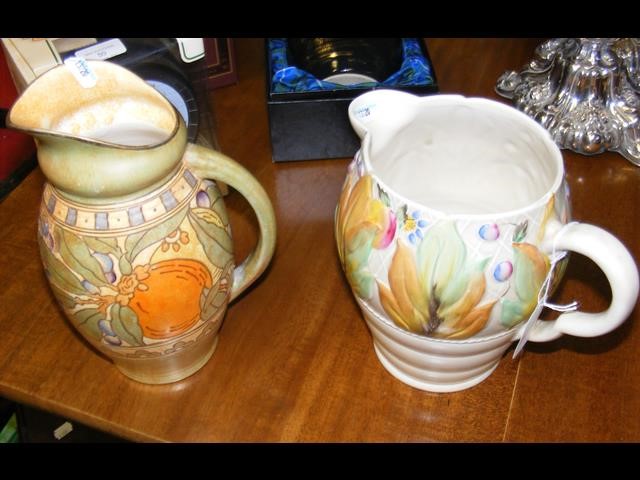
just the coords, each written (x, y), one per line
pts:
(171, 303)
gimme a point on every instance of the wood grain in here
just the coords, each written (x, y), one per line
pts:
(295, 360)
(580, 389)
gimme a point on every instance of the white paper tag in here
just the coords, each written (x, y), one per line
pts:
(103, 50)
(81, 71)
(63, 430)
(525, 333)
(543, 294)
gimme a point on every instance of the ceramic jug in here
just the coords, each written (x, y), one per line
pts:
(133, 231)
(453, 229)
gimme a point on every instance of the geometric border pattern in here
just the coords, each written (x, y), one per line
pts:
(137, 214)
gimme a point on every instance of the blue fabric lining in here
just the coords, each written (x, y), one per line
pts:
(415, 71)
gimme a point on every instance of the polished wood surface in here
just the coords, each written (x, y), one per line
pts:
(295, 360)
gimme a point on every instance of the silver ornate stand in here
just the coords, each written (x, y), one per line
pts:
(585, 91)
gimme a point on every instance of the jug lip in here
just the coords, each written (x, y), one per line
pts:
(115, 170)
(39, 132)
(555, 185)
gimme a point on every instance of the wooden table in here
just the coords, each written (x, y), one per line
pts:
(295, 360)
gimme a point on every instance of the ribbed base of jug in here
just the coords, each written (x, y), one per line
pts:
(168, 368)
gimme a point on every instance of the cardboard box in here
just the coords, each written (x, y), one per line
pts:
(220, 62)
(306, 125)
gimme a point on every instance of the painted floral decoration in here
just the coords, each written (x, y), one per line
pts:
(174, 239)
(146, 285)
(437, 292)
(530, 269)
(413, 225)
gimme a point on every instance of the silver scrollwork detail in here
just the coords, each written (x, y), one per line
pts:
(585, 91)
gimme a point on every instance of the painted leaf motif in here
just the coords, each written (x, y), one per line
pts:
(401, 215)
(359, 247)
(103, 245)
(474, 290)
(217, 204)
(441, 261)
(471, 323)
(76, 254)
(549, 211)
(355, 202)
(520, 231)
(404, 302)
(354, 209)
(208, 216)
(437, 293)
(66, 300)
(124, 322)
(59, 275)
(125, 266)
(130, 242)
(353, 198)
(212, 303)
(137, 242)
(529, 271)
(362, 223)
(384, 197)
(358, 238)
(339, 215)
(215, 240)
(217, 295)
(392, 308)
(513, 312)
(86, 321)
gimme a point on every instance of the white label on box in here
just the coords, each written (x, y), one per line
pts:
(103, 50)
(191, 49)
(81, 70)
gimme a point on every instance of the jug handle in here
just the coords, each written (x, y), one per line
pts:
(615, 261)
(210, 164)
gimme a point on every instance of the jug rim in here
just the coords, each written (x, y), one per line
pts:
(363, 154)
(48, 132)
(122, 111)
(540, 202)
(38, 132)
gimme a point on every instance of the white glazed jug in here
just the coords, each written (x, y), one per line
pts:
(452, 228)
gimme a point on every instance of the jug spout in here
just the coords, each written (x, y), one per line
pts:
(110, 138)
(382, 117)
(380, 112)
